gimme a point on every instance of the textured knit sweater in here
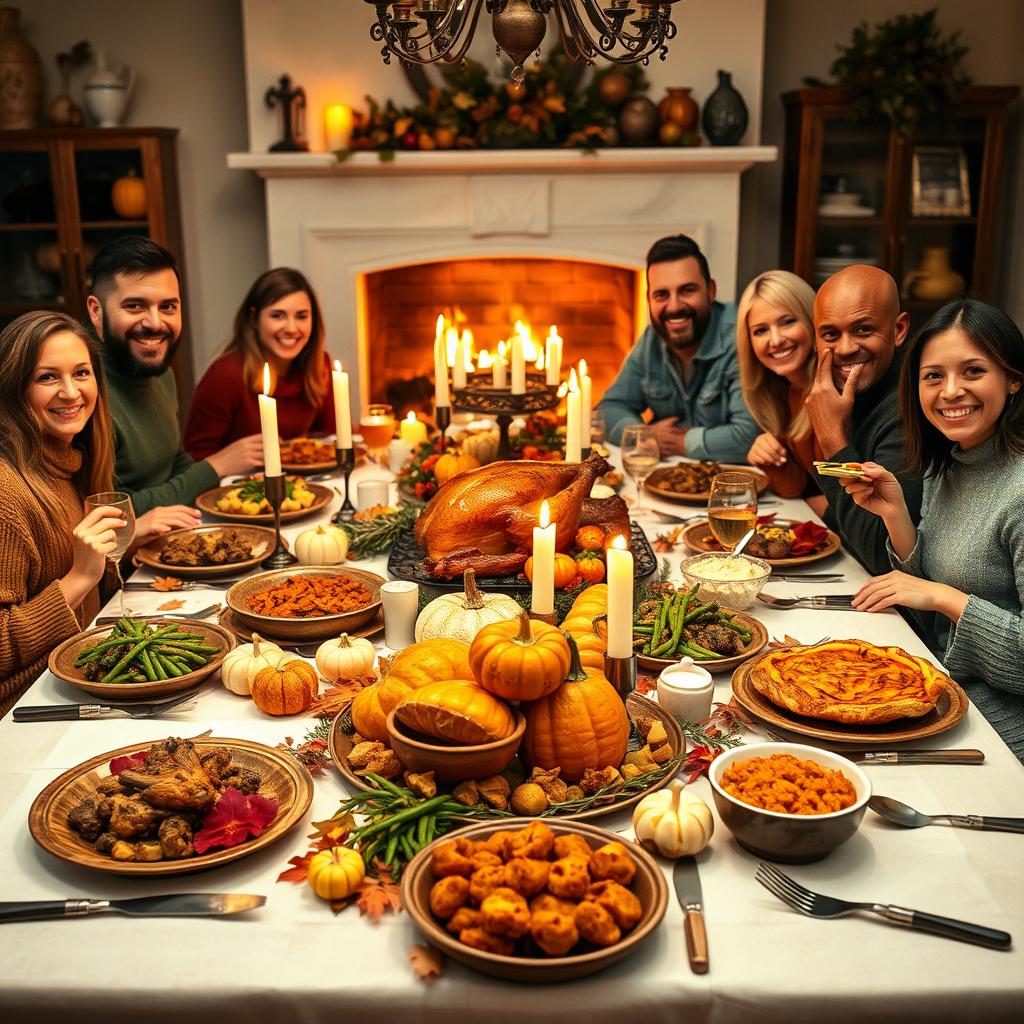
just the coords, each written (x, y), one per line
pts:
(224, 408)
(151, 464)
(35, 553)
(971, 537)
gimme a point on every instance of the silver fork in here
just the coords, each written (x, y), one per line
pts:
(203, 613)
(834, 601)
(814, 904)
(217, 584)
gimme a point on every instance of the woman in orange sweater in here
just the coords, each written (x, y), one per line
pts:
(55, 450)
(776, 351)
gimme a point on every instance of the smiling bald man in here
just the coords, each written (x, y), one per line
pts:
(853, 403)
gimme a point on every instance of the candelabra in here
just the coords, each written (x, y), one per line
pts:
(622, 31)
(274, 489)
(483, 398)
(346, 459)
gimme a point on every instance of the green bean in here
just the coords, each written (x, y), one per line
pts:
(147, 666)
(407, 815)
(392, 847)
(127, 659)
(382, 783)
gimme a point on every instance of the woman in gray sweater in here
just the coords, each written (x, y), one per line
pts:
(962, 570)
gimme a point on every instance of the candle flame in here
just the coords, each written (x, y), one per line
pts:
(619, 542)
(540, 358)
(573, 382)
(502, 349)
(266, 378)
(553, 333)
(583, 368)
(337, 366)
(545, 515)
(440, 325)
(563, 389)
(485, 360)
(411, 418)
(451, 341)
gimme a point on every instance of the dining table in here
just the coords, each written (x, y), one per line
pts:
(294, 960)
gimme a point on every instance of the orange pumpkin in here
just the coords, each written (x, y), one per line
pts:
(456, 710)
(590, 538)
(452, 464)
(422, 663)
(565, 570)
(586, 626)
(286, 689)
(369, 718)
(582, 725)
(519, 659)
(128, 197)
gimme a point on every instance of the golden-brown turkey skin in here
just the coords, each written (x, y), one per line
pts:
(495, 508)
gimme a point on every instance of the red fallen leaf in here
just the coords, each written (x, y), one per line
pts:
(698, 760)
(129, 762)
(332, 832)
(299, 871)
(427, 962)
(233, 819)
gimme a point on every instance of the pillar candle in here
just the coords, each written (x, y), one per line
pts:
(342, 408)
(441, 397)
(553, 357)
(459, 366)
(268, 426)
(542, 600)
(411, 431)
(518, 366)
(572, 421)
(337, 127)
(586, 405)
(499, 372)
(620, 598)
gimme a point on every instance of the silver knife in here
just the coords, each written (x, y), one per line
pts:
(916, 756)
(688, 892)
(192, 904)
(180, 702)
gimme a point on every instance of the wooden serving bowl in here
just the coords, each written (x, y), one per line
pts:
(62, 662)
(321, 627)
(259, 538)
(649, 885)
(453, 763)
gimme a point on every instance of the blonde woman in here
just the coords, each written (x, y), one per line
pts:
(775, 346)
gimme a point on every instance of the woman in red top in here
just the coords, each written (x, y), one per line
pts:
(278, 323)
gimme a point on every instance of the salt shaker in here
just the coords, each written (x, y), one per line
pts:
(685, 691)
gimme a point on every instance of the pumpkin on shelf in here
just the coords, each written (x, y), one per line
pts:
(425, 662)
(322, 545)
(336, 874)
(462, 616)
(520, 659)
(582, 725)
(128, 196)
(565, 570)
(286, 689)
(451, 464)
(458, 711)
(368, 717)
(240, 667)
(584, 625)
(345, 658)
(673, 821)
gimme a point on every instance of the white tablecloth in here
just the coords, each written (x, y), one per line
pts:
(295, 961)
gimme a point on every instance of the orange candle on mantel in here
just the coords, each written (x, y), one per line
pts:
(337, 127)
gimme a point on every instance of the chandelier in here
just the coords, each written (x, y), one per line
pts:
(425, 31)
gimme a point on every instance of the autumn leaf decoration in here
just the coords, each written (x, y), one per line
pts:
(165, 583)
(377, 895)
(170, 606)
(234, 819)
(808, 537)
(427, 962)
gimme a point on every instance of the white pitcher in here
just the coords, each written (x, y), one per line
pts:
(107, 92)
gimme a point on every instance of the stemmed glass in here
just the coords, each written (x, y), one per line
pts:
(732, 507)
(377, 428)
(125, 535)
(640, 454)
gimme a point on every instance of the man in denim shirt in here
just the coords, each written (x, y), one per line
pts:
(684, 366)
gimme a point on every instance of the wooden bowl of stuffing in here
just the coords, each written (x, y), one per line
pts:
(533, 900)
(788, 802)
(306, 603)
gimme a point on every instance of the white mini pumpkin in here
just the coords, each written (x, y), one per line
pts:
(239, 668)
(345, 658)
(675, 822)
(322, 545)
(462, 616)
(483, 447)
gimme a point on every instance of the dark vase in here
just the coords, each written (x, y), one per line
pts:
(639, 121)
(725, 113)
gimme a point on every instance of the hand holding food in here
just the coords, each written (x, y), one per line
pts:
(876, 490)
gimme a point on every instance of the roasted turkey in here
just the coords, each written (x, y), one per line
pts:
(483, 519)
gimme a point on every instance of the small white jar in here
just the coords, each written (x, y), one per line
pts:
(685, 691)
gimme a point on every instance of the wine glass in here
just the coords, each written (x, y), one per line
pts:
(732, 507)
(124, 535)
(640, 454)
(377, 428)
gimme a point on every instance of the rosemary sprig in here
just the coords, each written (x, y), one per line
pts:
(377, 535)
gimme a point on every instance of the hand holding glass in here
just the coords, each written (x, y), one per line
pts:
(124, 535)
(732, 507)
(640, 454)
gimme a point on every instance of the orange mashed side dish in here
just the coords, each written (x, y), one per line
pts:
(785, 784)
(306, 597)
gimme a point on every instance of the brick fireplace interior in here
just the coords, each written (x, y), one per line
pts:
(598, 309)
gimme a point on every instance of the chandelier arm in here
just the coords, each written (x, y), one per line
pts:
(426, 47)
(569, 33)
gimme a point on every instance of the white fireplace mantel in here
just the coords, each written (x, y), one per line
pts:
(339, 220)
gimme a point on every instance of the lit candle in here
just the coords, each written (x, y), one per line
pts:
(553, 356)
(572, 421)
(337, 127)
(542, 600)
(440, 367)
(586, 405)
(451, 344)
(342, 408)
(411, 430)
(459, 366)
(268, 425)
(619, 561)
(499, 372)
(518, 366)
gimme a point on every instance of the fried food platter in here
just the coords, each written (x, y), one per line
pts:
(259, 538)
(282, 778)
(207, 502)
(340, 744)
(696, 536)
(664, 480)
(950, 707)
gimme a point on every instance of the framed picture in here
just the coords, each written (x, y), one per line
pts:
(940, 185)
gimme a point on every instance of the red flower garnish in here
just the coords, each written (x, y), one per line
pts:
(809, 537)
(235, 818)
(128, 763)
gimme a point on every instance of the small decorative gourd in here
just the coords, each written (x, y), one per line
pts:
(483, 447)
(345, 658)
(462, 616)
(673, 821)
(368, 717)
(335, 874)
(240, 667)
(452, 464)
(456, 710)
(519, 659)
(286, 689)
(322, 545)
(565, 570)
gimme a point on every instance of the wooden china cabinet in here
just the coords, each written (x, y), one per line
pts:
(57, 210)
(856, 192)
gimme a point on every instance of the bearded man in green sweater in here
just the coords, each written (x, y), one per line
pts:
(135, 309)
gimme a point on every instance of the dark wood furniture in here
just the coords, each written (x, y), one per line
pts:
(827, 154)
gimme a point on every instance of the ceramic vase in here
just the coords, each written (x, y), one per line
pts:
(679, 107)
(638, 121)
(725, 113)
(21, 75)
(107, 93)
(934, 280)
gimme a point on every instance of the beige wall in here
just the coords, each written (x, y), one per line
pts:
(188, 61)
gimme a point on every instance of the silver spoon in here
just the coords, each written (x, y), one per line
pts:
(903, 814)
(742, 544)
